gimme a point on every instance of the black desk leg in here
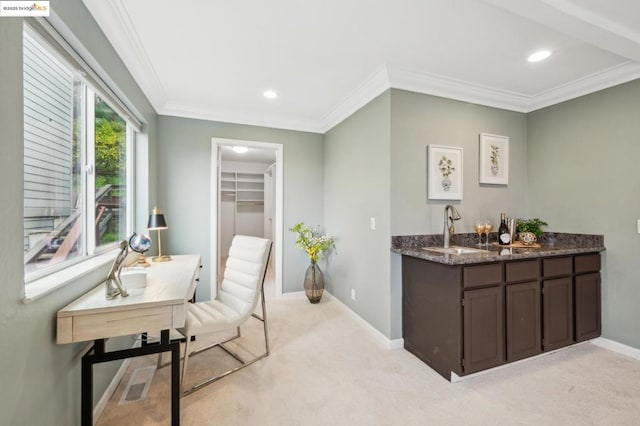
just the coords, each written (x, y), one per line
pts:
(175, 383)
(86, 399)
(98, 355)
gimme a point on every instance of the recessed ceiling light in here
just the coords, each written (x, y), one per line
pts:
(240, 149)
(270, 94)
(540, 55)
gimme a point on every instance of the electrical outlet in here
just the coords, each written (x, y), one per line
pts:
(372, 223)
(353, 294)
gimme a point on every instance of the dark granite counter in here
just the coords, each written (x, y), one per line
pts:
(551, 244)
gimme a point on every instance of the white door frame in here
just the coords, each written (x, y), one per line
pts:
(279, 184)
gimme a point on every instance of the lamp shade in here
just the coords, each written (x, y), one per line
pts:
(156, 220)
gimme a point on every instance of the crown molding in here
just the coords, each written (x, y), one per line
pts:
(610, 77)
(447, 87)
(368, 90)
(114, 21)
(387, 77)
(118, 28)
(241, 116)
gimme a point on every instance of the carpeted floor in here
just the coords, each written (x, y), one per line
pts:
(325, 369)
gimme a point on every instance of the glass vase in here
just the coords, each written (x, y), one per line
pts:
(314, 283)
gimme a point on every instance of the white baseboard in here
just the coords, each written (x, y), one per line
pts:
(614, 346)
(108, 393)
(293, 295)
(380, 338)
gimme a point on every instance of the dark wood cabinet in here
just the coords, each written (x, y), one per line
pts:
(483, 329)
(523, 320)
(461, 318)
(557, 308)
(587, 298)
(431, 314)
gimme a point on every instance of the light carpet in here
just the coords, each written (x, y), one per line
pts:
(326, 369)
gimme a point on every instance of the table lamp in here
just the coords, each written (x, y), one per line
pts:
(156, 223)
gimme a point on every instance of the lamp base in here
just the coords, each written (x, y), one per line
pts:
(162, 258)
(142, 261)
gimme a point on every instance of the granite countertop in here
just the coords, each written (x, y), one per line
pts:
(551, 244)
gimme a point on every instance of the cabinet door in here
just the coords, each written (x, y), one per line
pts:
(483, 329)
(587, 295)
(523, 320)
(557, 308)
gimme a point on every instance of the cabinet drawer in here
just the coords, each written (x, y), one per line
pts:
(476, 276)
(557, 266)
(587, 263)
(528, 270)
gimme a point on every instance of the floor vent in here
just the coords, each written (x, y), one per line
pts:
(138, 385)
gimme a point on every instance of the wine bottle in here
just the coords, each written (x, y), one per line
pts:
(504, 236)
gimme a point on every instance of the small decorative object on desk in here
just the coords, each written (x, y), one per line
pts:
(113, 285)
(140, 243)
(314, 244)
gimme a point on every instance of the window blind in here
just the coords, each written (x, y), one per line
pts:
(45, 29)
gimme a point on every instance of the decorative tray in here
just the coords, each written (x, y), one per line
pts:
(518, 244)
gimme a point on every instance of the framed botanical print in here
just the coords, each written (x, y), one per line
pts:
(444, 172)
(494, 159)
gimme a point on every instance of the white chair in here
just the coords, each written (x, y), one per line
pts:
(237, 298)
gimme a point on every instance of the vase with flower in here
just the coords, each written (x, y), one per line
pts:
(315, 245)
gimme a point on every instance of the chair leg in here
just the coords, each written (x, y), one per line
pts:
(183, 377)
(264, 323)
(234, 355)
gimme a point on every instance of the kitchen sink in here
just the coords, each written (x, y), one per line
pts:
(455, 250)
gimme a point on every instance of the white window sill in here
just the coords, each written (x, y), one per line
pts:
(45, 285)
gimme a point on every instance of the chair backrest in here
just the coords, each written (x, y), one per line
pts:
(244, 273)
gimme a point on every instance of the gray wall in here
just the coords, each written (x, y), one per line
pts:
(356, 182)
(584, 177)
(419, 120)
(41, 380)
(184, 180)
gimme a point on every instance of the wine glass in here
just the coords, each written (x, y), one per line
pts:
(480, 226)
(488, 226)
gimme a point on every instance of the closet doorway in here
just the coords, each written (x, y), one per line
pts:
(246, 199)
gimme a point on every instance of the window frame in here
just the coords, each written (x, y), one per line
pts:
(39, 283)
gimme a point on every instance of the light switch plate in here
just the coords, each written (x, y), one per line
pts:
(638, 226)
(372, 223)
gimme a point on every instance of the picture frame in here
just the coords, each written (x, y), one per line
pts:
(493, 167)
(444, 172)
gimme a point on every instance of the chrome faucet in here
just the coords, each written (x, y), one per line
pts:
(450, 214)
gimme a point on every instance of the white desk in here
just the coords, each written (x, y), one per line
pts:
(158, 306)
(161, 305)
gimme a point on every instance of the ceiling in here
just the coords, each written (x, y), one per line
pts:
(264, 156)
(212, 59)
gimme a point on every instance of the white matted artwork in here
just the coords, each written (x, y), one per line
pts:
(444, 172)
(494, 159)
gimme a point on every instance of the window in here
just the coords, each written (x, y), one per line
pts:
(76, 164)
